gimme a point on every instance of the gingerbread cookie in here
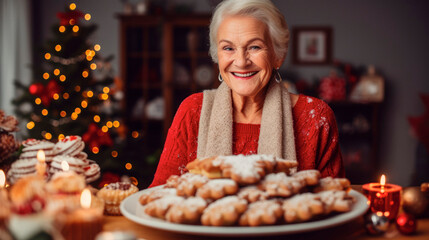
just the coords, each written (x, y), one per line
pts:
(188, 211)
(252, 194)
(336, 201)
(266, 212)
(158, 208)
(217, 188)
(281, 185)
(153, 194)
(224, 212)
(309, 177)
(188, 183)
(329, 183)
(302, 207)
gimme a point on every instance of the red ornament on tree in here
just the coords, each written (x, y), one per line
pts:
(45, 93)
(406, 223)
(36, 88)
(65, 17)
(95, 137)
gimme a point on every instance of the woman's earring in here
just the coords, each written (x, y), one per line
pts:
(277, 76)
(220, 78)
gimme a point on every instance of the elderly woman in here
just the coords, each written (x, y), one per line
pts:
(251, 112)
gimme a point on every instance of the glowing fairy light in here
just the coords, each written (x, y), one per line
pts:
(30, 125)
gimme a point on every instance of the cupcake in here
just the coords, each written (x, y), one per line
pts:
(113, 194)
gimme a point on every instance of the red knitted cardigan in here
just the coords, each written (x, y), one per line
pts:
(315, 128)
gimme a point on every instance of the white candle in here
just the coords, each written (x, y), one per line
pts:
(41, 165)
(2, 179)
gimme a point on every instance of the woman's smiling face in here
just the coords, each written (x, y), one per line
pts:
(245, 53)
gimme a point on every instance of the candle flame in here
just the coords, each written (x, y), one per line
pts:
(65, 166)
(41, 156)
(2, 179)
(383, 180)
(85, 198)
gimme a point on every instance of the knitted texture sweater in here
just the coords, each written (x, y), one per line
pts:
(315, 129)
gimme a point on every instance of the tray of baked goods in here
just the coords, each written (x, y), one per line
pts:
(245, 195)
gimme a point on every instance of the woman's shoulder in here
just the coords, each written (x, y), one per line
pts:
(192, 101)
(307, 105)
(190, 108)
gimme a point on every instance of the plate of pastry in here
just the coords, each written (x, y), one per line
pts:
(134, 211)
(245, 196)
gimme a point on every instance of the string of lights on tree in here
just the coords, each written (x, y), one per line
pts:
(76, 95)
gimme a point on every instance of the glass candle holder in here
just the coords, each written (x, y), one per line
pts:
(383, 199)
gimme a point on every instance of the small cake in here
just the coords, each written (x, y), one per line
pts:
(32, 146)
(64, 190)
(114, 193)
(21, 168)
(28, 195)
(92, 171)
(75, 164)
(70, 145)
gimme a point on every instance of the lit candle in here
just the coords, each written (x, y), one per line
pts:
(86, 222)
(384, 198)
(41, 165)
(2, 179)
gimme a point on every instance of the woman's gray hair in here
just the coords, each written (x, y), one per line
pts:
(264, 11)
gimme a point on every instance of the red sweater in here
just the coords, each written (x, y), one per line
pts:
(316, 138)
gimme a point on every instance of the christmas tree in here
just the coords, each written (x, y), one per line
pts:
(73, 92)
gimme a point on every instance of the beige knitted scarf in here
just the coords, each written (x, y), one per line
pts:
(276, 136)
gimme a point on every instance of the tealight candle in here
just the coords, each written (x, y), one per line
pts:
(41, 165)
(86, 222)
(384, 199)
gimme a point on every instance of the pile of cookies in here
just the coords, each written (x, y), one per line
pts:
(69, 149)
(249, 190)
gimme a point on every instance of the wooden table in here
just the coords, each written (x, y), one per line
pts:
(352, 230)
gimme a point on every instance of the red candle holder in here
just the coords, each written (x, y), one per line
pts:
(383, 199)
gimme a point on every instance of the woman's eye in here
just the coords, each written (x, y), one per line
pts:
(227, 48)
(255, 47)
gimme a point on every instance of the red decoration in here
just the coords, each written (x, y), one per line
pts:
(420, 125)
(45, 93)
(95, 137)
(406, 223)
(332, 88)
(36, 88)
(65, 17)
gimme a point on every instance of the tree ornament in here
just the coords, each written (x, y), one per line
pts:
(414, 201)
(45, 93)
(376, 225)
(65, 17)
(406, 223)
(36, 89)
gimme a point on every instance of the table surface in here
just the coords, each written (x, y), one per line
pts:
(352, 230)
